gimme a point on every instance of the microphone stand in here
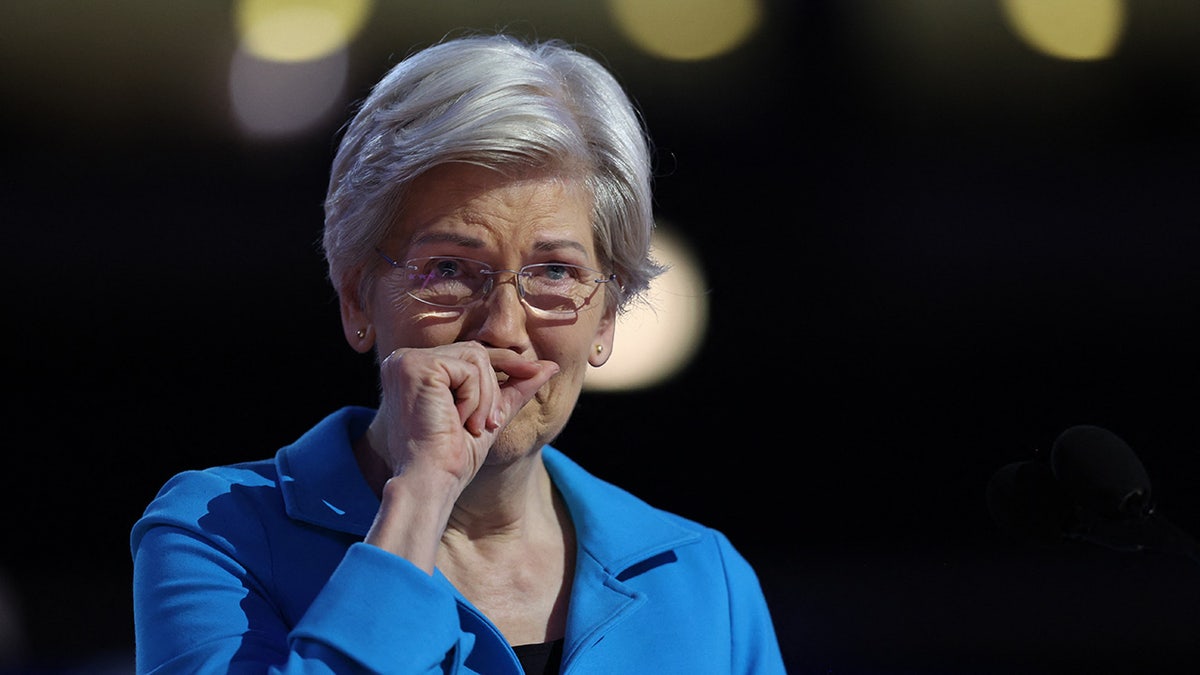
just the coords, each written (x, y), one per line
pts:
(1150, 532)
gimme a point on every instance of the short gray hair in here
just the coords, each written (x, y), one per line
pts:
(503, 103)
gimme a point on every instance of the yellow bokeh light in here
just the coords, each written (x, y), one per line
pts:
(1075, 30)
(655, 342)
(291, 31)
(687, 30)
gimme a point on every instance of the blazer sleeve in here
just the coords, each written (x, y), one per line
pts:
(755, 643)
(212, 597)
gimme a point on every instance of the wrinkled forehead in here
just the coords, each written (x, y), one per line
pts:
(474, 206)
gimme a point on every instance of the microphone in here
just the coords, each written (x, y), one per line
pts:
(1025, 501)
(1101, 473)
(1092, 488)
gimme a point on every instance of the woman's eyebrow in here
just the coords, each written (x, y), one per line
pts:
(558, 244)
(448, 237)
(466, 241)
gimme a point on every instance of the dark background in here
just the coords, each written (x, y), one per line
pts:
(930, 250)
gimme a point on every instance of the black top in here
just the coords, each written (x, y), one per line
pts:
(540, 659)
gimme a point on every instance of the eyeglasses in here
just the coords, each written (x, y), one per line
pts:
(555, 289)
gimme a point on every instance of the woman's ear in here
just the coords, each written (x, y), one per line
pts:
(602, 341)
(356, 324)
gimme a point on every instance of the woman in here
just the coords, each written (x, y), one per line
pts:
(488, 216)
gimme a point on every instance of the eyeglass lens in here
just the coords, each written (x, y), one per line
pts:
(454, 282)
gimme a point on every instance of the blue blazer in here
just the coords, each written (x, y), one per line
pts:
(260, 567)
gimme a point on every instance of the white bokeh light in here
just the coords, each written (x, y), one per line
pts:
(654, 343)
(271, 99)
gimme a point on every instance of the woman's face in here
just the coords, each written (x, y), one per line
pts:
(471, 212)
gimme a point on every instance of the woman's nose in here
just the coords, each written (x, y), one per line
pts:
(504, 321)
(499, 278)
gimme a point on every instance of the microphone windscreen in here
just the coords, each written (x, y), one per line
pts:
(1026, 502)
(1101, 472)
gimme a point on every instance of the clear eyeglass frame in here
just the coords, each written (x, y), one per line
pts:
(538, 286)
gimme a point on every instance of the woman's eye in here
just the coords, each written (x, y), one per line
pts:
(447, 268)
(557, 272)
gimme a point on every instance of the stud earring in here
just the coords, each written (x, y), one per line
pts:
(599, 349)
(361, 333)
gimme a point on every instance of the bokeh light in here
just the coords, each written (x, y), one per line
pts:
(687, 30)
(270, 99)
(658, 339)
(1074, 30)
(298, 30)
